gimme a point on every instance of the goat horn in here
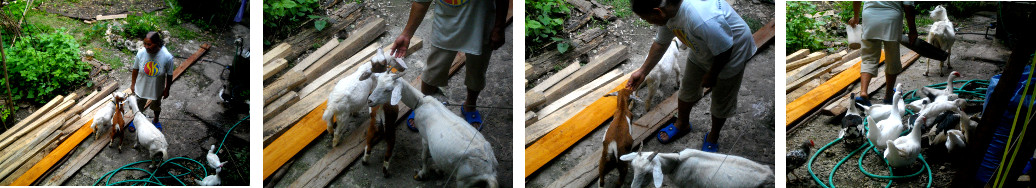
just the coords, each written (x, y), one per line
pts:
(652, 156)
(401, 64)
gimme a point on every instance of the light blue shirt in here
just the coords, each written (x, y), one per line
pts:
(460, 25)
(152, 70)
(708, 28)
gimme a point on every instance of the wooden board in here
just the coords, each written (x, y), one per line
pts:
(66, 171)
(822, 62)
(33, 157)
(798, 108)
(533, 99)
(274, 67)
(583, 43)
(356, 41)
(110, 17)
(764, 35)
(277, 106)
(807, 78)
(278, 52)
(559, 139)
(361, 57)
(801, 62)
(338, 21)
(579, 93)
(43, 119)
(30, 176)
(32, 117)
(190, 61)
(545, 124)
(585, 172)
(287, 81)
(557, 77)
(598, 65)
(316, 55)
(796, 55)
(876, 84)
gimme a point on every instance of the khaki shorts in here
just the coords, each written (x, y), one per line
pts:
(871, 53)
(724, 94)
(156, 105)
(440, 60)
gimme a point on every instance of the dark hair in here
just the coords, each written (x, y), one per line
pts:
(155, 37)
(645, 6)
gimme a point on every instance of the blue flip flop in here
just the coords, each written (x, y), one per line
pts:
(707, 146)
(409, 119)
(158, 125)
(671, 131)
(862, 101)
(131, 128)
(472, 117)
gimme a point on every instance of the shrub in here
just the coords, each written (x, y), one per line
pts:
(277, 13)
(138, 26)
(44, 64)
(543, 21)
(804, 32)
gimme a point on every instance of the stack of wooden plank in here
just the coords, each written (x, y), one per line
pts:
(32, 138)
(805, 72)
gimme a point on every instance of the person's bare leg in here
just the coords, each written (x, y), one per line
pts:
(470, 102)
(428, 89)
(717, 125)
(865, 81)
(890, 82)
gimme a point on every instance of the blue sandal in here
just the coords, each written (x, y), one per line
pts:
(707, 146)
(672, 133)
(472, 117)
(862, 101)
(131, 128)
(409, 122)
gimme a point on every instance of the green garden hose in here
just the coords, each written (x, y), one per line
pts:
(869, 147)
(151, 174)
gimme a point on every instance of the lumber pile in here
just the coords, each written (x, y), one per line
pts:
(581, 44)
(34, 137)
(809, 99)
(292, 47)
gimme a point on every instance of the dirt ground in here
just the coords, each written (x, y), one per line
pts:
(192, 116)
(89, 9)
(406, 155)
(974, 56)
(749, 134)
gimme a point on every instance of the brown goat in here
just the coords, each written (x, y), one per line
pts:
(118, 122)
(617, 139)
(382, 126)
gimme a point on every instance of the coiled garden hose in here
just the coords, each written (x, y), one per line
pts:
(869, 147)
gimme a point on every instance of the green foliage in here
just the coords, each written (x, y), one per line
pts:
(138, 26)
(621, 8)
(44, 65)
(278, 13)
(544, 19)
(804, 32)
(319, 22)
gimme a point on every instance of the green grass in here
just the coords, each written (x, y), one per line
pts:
(620, 7)
(753, 24)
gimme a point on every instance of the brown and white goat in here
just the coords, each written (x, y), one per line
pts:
(118, 120)
(382, 124)
(617, 139)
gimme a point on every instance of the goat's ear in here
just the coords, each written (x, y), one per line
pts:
(402, 65)
(397, 94)
(656, 173)
(365, 75)
(628, 157)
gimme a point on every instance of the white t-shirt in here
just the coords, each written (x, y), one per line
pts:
(461, 25)
(883, 20)
(709, 28)
(152, 70)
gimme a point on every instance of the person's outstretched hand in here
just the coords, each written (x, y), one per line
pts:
(635, 79)
(854, 21)
(399, 47)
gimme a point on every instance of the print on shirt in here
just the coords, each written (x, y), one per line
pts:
(683, 38)
(151, 69)
(454, 3)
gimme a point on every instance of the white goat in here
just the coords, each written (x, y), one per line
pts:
(347, 99)
(669, 67)
(213, 159)
(695, 168)
(211, 180)
(147, 135)
(450, 143)
(942, 35)
(103, 118)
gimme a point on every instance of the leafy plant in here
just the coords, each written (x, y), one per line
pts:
(544, 19)
(282, 12)
(805, 32)
(44, 64)
(138, 26)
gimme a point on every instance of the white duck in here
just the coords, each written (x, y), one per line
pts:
(904, 150)
(945, 93)
(891, 127)
(213, 159)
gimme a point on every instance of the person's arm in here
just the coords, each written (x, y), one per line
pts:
(656, 52)
(417, 11)
(496, 38)
(718, 63)
(856, 14)
(168, 84)
(133, 80)
(909, 10)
